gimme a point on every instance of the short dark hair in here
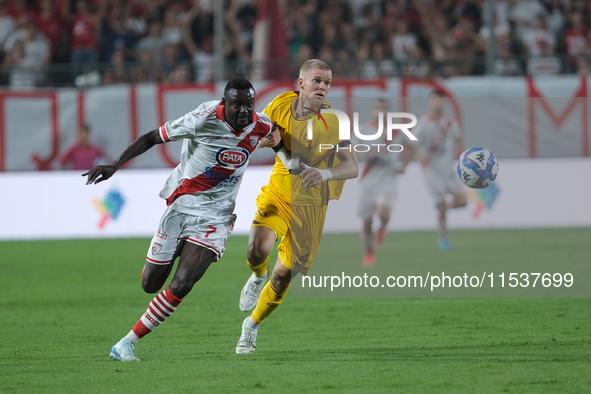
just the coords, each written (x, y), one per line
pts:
(238, 84)
(438, 92)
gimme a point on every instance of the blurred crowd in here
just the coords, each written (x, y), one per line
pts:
(49, 42)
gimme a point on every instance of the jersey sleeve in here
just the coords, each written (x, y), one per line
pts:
(186, 126)
(183, 127)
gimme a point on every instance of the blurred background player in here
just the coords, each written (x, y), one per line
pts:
(293, 207)
(83, 155)
(200, 194)
(440, 143)
(378, 183)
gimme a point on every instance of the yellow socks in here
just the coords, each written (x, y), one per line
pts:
(269, 299)
(259, 270)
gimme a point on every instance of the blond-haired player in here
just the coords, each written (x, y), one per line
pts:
(292, 207)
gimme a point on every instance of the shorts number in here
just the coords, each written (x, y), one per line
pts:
(212, 229)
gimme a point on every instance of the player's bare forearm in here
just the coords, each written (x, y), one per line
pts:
(348, 167)
(137, 147)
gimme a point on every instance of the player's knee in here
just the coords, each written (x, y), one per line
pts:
(461, 201)
(257, 253)
(149, 286)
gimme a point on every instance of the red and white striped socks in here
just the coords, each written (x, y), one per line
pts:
(160, 309)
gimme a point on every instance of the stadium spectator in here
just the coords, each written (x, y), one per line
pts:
(134, 21)
(19, 33)
(464, 46)
(540, 45)
(437, 34)
(115, 37)
(172, 56)
(18, 8)
(51, 25)
(348, 38)
(28, 59)
(555, 16)
(83, 154)
(153, 42)
(523, 15)
(505, 63)
(419, 66)
(538, 40)
(19, 74)
(240, 20)
(172, 32)
(201, 55)
(118, 71)
(85, 26)
(576, 39)
(404, 43)
(146, 70)
(375, 65)
(7, 25)
(181, 74)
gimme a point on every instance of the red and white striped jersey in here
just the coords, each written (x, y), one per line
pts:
(213, 159)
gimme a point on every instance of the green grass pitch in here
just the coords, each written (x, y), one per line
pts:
(64, 304)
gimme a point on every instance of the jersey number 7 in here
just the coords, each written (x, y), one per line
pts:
(212, 229)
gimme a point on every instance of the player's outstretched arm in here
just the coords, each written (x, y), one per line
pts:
(137, 147)
(347, 168)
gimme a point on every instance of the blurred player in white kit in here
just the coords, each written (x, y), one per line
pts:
(440, 143)
(379, 178)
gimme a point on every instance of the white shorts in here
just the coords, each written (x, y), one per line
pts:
(176, 227)
(377, 188)
(441, 182)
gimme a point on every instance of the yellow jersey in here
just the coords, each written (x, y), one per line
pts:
(293, 128)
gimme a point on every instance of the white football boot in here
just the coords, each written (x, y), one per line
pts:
(123, 351)
(248, 338)
(251, 291)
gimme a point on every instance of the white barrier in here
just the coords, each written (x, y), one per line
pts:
(53, 205)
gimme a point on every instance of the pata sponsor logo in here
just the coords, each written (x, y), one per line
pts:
(232, 157)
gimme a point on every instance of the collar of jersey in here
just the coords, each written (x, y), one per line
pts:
(309, 115)
(219, 113)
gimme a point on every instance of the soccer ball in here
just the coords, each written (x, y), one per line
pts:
(477, 167)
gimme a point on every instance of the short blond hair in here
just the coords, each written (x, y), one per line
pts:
(313, 63)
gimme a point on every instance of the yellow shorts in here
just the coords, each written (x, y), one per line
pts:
(299, 227)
